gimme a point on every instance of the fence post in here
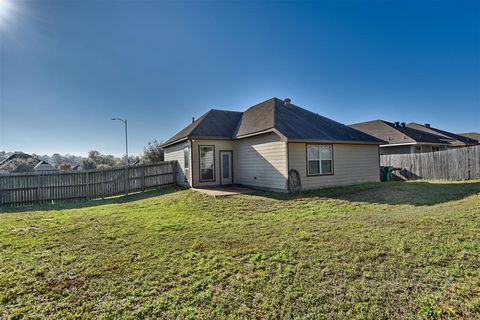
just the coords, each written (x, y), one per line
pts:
(143, 177)
(88, 185)
(468, 164)
(175, 168)
(39, 182)
(126, 181)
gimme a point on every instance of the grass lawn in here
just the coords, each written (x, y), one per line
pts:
(378, 251)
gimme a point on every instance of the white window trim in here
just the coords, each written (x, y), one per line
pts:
(319, 160)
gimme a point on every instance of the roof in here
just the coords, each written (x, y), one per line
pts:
(215, 124)
(454, 139)
(472, 135)
(14, 155)
(44, 166)
(291, 122)
(16, 160)
(398, 134)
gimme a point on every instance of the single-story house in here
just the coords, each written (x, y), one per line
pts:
(403, 138)
(472, 135)
(454, 140)
(44, 167)
(274, 145)
(21, 162)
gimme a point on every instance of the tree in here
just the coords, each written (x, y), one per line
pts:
(65, 166)
(88, 164)
(107, 160)
(23, 167)
(57, 159)
(153, 152)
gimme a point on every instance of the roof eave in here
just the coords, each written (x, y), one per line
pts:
(334, 141)
(413, 143)
(171, 143)
(270, 130)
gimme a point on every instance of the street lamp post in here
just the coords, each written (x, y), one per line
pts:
(126, 153)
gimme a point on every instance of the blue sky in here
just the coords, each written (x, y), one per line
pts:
(68, 67)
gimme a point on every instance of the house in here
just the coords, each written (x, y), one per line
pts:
(44, 167)
(274, 145)
(454, 140)
(472, 135)
(402, 138)
(15, 162)
(18, 162)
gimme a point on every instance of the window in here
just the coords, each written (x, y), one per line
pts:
(207, 172)
(186, 157)
(319, 159)
(225, 166)
(418, 149)
(435, 149)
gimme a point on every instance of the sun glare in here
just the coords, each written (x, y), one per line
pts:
(6, 7)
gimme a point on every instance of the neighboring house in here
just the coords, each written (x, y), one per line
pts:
(43, 167)
(273, 145)
(77, 167)
(454, 140)
(402, 138)
(472, 135)
(16, 162)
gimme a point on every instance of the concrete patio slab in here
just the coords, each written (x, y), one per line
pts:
(224, 191)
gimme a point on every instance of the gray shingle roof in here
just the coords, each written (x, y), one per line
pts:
(398, 134)
(471, 135)
(216, 124)
(454, 139)
(292, 122)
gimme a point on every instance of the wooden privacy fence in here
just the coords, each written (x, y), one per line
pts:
(452, 164)
(30, 188)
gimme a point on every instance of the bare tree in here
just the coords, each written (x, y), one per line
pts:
(153, 152)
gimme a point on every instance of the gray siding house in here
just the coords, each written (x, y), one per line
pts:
(273, 145)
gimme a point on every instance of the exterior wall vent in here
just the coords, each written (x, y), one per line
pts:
(287, 102)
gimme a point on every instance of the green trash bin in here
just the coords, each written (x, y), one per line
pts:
(387, 173)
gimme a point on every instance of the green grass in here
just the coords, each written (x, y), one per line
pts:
(375, 251)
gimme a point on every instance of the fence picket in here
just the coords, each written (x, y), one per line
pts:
(29, 188)
(452, 164)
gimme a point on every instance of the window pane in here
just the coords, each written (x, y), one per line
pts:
(207, 174)
(206, 163)
(206, 157)
(313, 167)
(225, 166)
(326, 152)
(186, 157)
(326, 166)
(313, 153)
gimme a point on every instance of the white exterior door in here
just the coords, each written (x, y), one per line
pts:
(226, 172)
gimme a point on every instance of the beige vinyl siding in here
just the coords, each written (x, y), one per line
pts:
(261, 161)
(351, 164)
(220, 145)
(175, 153)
